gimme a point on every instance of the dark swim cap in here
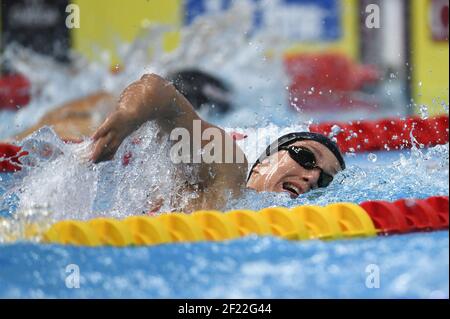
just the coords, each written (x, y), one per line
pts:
(201, 88)
(291, 138)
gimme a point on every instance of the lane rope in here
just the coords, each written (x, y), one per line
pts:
(332, 222)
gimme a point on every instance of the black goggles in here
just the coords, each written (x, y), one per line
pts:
(306, 159)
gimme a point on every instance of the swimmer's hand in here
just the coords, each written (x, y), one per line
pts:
(110, 135)
(150, 98)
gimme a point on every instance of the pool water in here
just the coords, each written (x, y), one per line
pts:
(405, 266)
(410, 266)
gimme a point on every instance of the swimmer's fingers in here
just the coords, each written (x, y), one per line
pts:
(102, 139)
(110, 135)
(110, 123)
(102, 130)
(105, 148)
(111, 150)
(101, 149)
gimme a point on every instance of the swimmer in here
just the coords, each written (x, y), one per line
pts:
(296, 163)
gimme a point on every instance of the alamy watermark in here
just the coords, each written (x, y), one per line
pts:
(73, 17)
(209, 145)
(73, 278)
(373, 18)
(373, 276)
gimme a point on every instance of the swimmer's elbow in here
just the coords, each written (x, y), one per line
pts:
(151, 77)
(158, 88)
(166, 102)
(155, 81)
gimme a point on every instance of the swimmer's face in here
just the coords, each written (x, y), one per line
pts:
(280, 173)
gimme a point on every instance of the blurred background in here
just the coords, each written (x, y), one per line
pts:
(295, 59)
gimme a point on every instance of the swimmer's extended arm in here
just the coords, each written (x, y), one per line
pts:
(153, 98)
(150, 98)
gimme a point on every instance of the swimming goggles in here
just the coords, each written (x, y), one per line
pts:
(306, 159)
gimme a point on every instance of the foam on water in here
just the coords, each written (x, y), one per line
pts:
(60, 177)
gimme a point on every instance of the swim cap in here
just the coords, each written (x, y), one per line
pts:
(291, 138)
(201, 88)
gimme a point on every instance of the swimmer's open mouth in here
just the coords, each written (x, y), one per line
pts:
(292, 189)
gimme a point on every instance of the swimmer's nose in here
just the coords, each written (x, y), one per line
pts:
(311, 178)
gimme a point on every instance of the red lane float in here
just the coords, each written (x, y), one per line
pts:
(409, 215)
(9, 157)
(419, 214)
(441, 205)
(386, 217)
(14, 92)
(386, 134)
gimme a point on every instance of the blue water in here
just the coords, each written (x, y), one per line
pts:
(410, 266)
(407, 266)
